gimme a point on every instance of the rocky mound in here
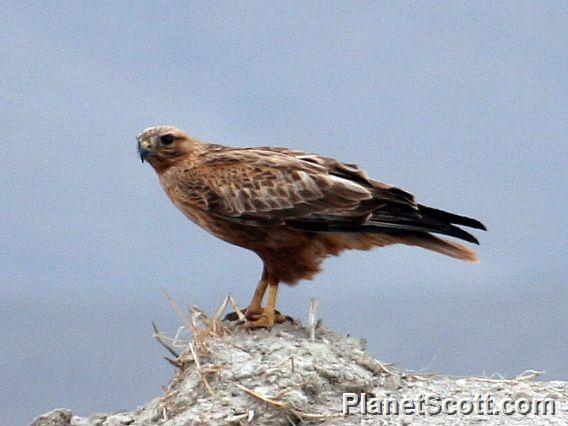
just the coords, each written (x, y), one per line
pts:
(291, 375)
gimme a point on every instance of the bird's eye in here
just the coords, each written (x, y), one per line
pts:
(166, 139)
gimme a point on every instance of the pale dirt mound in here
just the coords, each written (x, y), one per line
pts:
(228, 375)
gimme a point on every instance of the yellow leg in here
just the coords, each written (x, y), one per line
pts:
(255, 307)
(268, 316)
(270, 310)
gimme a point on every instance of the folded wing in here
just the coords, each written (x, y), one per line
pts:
(277, 186)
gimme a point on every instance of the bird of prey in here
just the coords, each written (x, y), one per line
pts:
(292, 208)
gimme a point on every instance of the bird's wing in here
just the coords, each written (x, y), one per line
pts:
(267, 186)
(277, 186)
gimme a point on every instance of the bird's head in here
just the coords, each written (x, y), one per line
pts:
(161, 146)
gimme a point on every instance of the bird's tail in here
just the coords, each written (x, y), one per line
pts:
(335, 243)
(440, 245)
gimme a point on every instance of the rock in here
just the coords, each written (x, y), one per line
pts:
(282, 377)
(59, 417)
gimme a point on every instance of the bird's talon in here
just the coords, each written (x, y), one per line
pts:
(252, 314)
(266, 320)
(262, 322)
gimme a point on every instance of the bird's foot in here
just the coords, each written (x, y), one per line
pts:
(265, 320)
(259, 318)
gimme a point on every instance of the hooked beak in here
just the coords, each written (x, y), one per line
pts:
(144, 149)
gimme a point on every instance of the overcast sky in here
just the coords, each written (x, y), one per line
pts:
(462, 103)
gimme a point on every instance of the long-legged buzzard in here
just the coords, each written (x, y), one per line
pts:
(292, 208)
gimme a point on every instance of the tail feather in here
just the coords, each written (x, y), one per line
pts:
(440, 245)
(424, 240)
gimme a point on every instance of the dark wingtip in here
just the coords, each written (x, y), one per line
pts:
(454, 231)
(472, 223)
(452, 218)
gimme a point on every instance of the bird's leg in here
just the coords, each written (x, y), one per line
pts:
(255, 308)
(256, 315)
(269, 316)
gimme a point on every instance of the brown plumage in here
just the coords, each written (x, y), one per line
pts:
(292, 208)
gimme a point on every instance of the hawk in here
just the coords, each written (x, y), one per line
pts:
(292, 208)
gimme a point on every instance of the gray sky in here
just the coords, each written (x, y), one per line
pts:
(464, 104)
